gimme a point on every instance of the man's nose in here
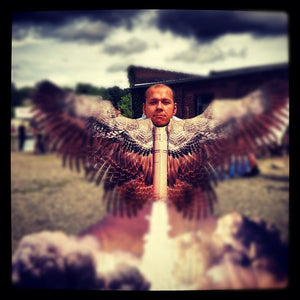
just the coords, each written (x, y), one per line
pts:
(159, 105)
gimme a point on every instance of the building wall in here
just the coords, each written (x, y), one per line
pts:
(221, 85)
(227, 85)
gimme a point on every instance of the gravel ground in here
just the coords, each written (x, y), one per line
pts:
(265, 196)
(45, 196)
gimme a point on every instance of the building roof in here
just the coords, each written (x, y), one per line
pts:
(141, 75)
(216, 74)
(247, 70)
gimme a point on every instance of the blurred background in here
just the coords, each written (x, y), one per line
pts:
(108, 53)
(96, 47)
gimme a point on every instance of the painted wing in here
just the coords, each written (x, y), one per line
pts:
(205, 149)
(89, 134)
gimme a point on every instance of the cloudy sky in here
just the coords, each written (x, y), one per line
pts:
(96, 47)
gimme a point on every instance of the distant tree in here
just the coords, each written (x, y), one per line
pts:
(104, 93)
(68, 89)
(86, 88)
(125, 105)
(115, 94)
(89, 89)
(119, 97)
(18, 96)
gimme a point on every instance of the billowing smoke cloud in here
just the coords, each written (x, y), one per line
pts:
(238, 254)
(55, 260)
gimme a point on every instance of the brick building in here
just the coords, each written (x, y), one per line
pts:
(193, 92)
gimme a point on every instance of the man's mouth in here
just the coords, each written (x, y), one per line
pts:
(159, 120)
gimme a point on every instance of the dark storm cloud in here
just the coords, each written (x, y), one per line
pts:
(61, 17)
(117, 67)
(204, 25)
(64, 24)
(207, 54)
(132, 46)
(207, 25)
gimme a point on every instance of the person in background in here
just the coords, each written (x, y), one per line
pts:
(21, 135)
(39, 147)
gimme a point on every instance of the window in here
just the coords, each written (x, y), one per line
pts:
(202, 101)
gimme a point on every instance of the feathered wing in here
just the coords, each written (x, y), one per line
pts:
(121, 157)
(202, 150)
(118, 151)
(89, 134)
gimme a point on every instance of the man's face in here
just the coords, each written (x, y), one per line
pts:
(159, 105)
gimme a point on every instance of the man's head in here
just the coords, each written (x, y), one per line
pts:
(159, 104)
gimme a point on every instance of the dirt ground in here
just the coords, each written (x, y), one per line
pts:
(45, 196)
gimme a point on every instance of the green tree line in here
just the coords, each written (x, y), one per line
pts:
(119, 97)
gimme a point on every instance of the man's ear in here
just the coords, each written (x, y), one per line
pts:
(144, 110)
(175, 109)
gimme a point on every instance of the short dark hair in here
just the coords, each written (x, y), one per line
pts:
(160, 85)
